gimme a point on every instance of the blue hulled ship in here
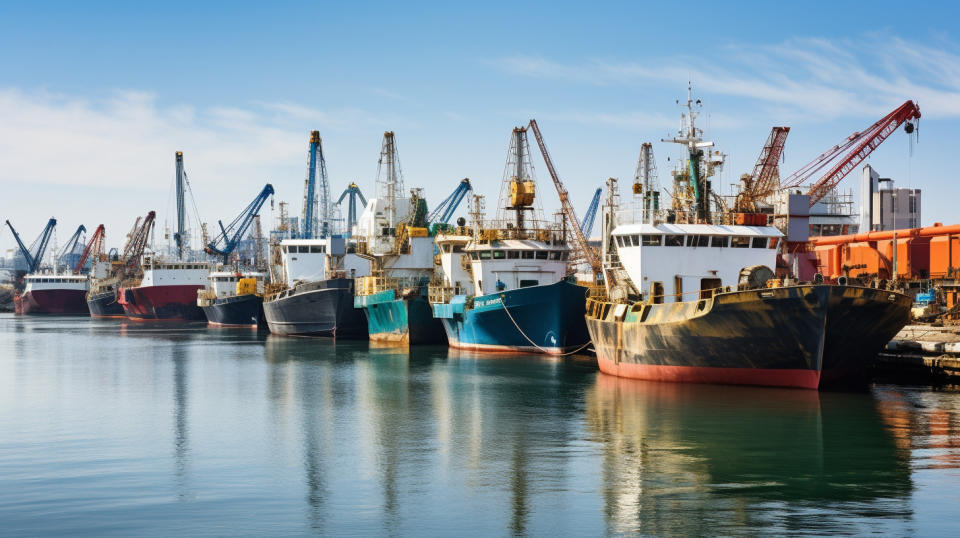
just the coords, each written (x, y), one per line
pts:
(503, 285)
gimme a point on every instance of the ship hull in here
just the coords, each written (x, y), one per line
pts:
(168, 303)
(797, 336)
(405, 320)
(538, 319)
(104, 305)
(322, 308)
(61, 302)
(236, 311)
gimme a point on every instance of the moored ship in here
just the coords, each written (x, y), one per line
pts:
(316, 298)
(52, 294)
(393, 235)
(727, 319)
(233, 299)
(504, 285)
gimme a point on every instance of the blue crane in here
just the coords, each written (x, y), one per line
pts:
(591, 214)
(34, 255)
(354, 192)
(70, 247)
(230, 237)
(445, 209)
(316, 216)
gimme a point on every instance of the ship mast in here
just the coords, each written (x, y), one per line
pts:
(180, 236)
(518, 191)
(689, 136)
(389, 177)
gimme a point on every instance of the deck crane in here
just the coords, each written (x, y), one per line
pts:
(764, 181)
(70, 246)
(353, 191)
(230, 237)
(850, 153)
(445, 209)
(94, 246)
(34, 255)
(591, 216)
(571, 216)
(316, 217)
(137, 243)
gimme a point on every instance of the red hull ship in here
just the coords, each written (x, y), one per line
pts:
(167, 291)
(52, 294)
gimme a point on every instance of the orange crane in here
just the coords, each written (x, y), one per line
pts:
(851, 152)
(765, 179)
(572, 221)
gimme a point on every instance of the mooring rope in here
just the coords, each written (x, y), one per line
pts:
(523, 334)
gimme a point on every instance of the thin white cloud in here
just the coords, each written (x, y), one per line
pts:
(800, 78)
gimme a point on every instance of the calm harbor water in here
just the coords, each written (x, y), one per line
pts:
(113, 428)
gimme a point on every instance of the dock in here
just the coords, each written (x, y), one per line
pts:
(922, 353)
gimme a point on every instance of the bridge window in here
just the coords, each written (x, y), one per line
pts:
(457, 248)
(484, 254)
(499, 255)
(513, 254)
(527, 254)
(635, 240)
(773, 242)
(719, 241)
(565, 255)
(759, 242)
(740, 242)
(652, 240)
(555, 255)
(673, 240)
(528, 283)
(541, 254)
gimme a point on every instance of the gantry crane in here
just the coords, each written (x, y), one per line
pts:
(765, 179)
(353, 191)
(33, 256)
(94, 246)
(230, 237)
(445, 209)
(591, 215)
(70, 246)
(580, 240)
(847, 155)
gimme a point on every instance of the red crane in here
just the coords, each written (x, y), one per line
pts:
(95, 245)
(572, 221)
(765, 179)
(137, 243)
(851, 152)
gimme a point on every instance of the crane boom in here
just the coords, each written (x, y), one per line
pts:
(94, 245)
(591, 214)
(568, 211)
(34, 255)
(851, 152)
(445, 209)
(70, 245)
(230, 237)
(137, 243)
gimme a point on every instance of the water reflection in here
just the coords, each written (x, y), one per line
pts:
(181, 430)
(697, 459)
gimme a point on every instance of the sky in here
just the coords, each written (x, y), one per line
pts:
(95, 98)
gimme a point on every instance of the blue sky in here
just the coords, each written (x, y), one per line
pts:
(95, 98)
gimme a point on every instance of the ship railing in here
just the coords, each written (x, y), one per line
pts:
(370, 285)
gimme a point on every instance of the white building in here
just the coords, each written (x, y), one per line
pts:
(885, 207)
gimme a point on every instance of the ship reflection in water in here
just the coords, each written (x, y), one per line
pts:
(741, 457)
(114, 427)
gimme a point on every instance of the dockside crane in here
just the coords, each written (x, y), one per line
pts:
(137, 244)
(580, 242)
(94, 246)
(764, 181)
(33, 256)
(70, 246)
(445, 209)
(353, 191)
(591, 215)
(230, 237)
(847, 155)
(317, 214)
